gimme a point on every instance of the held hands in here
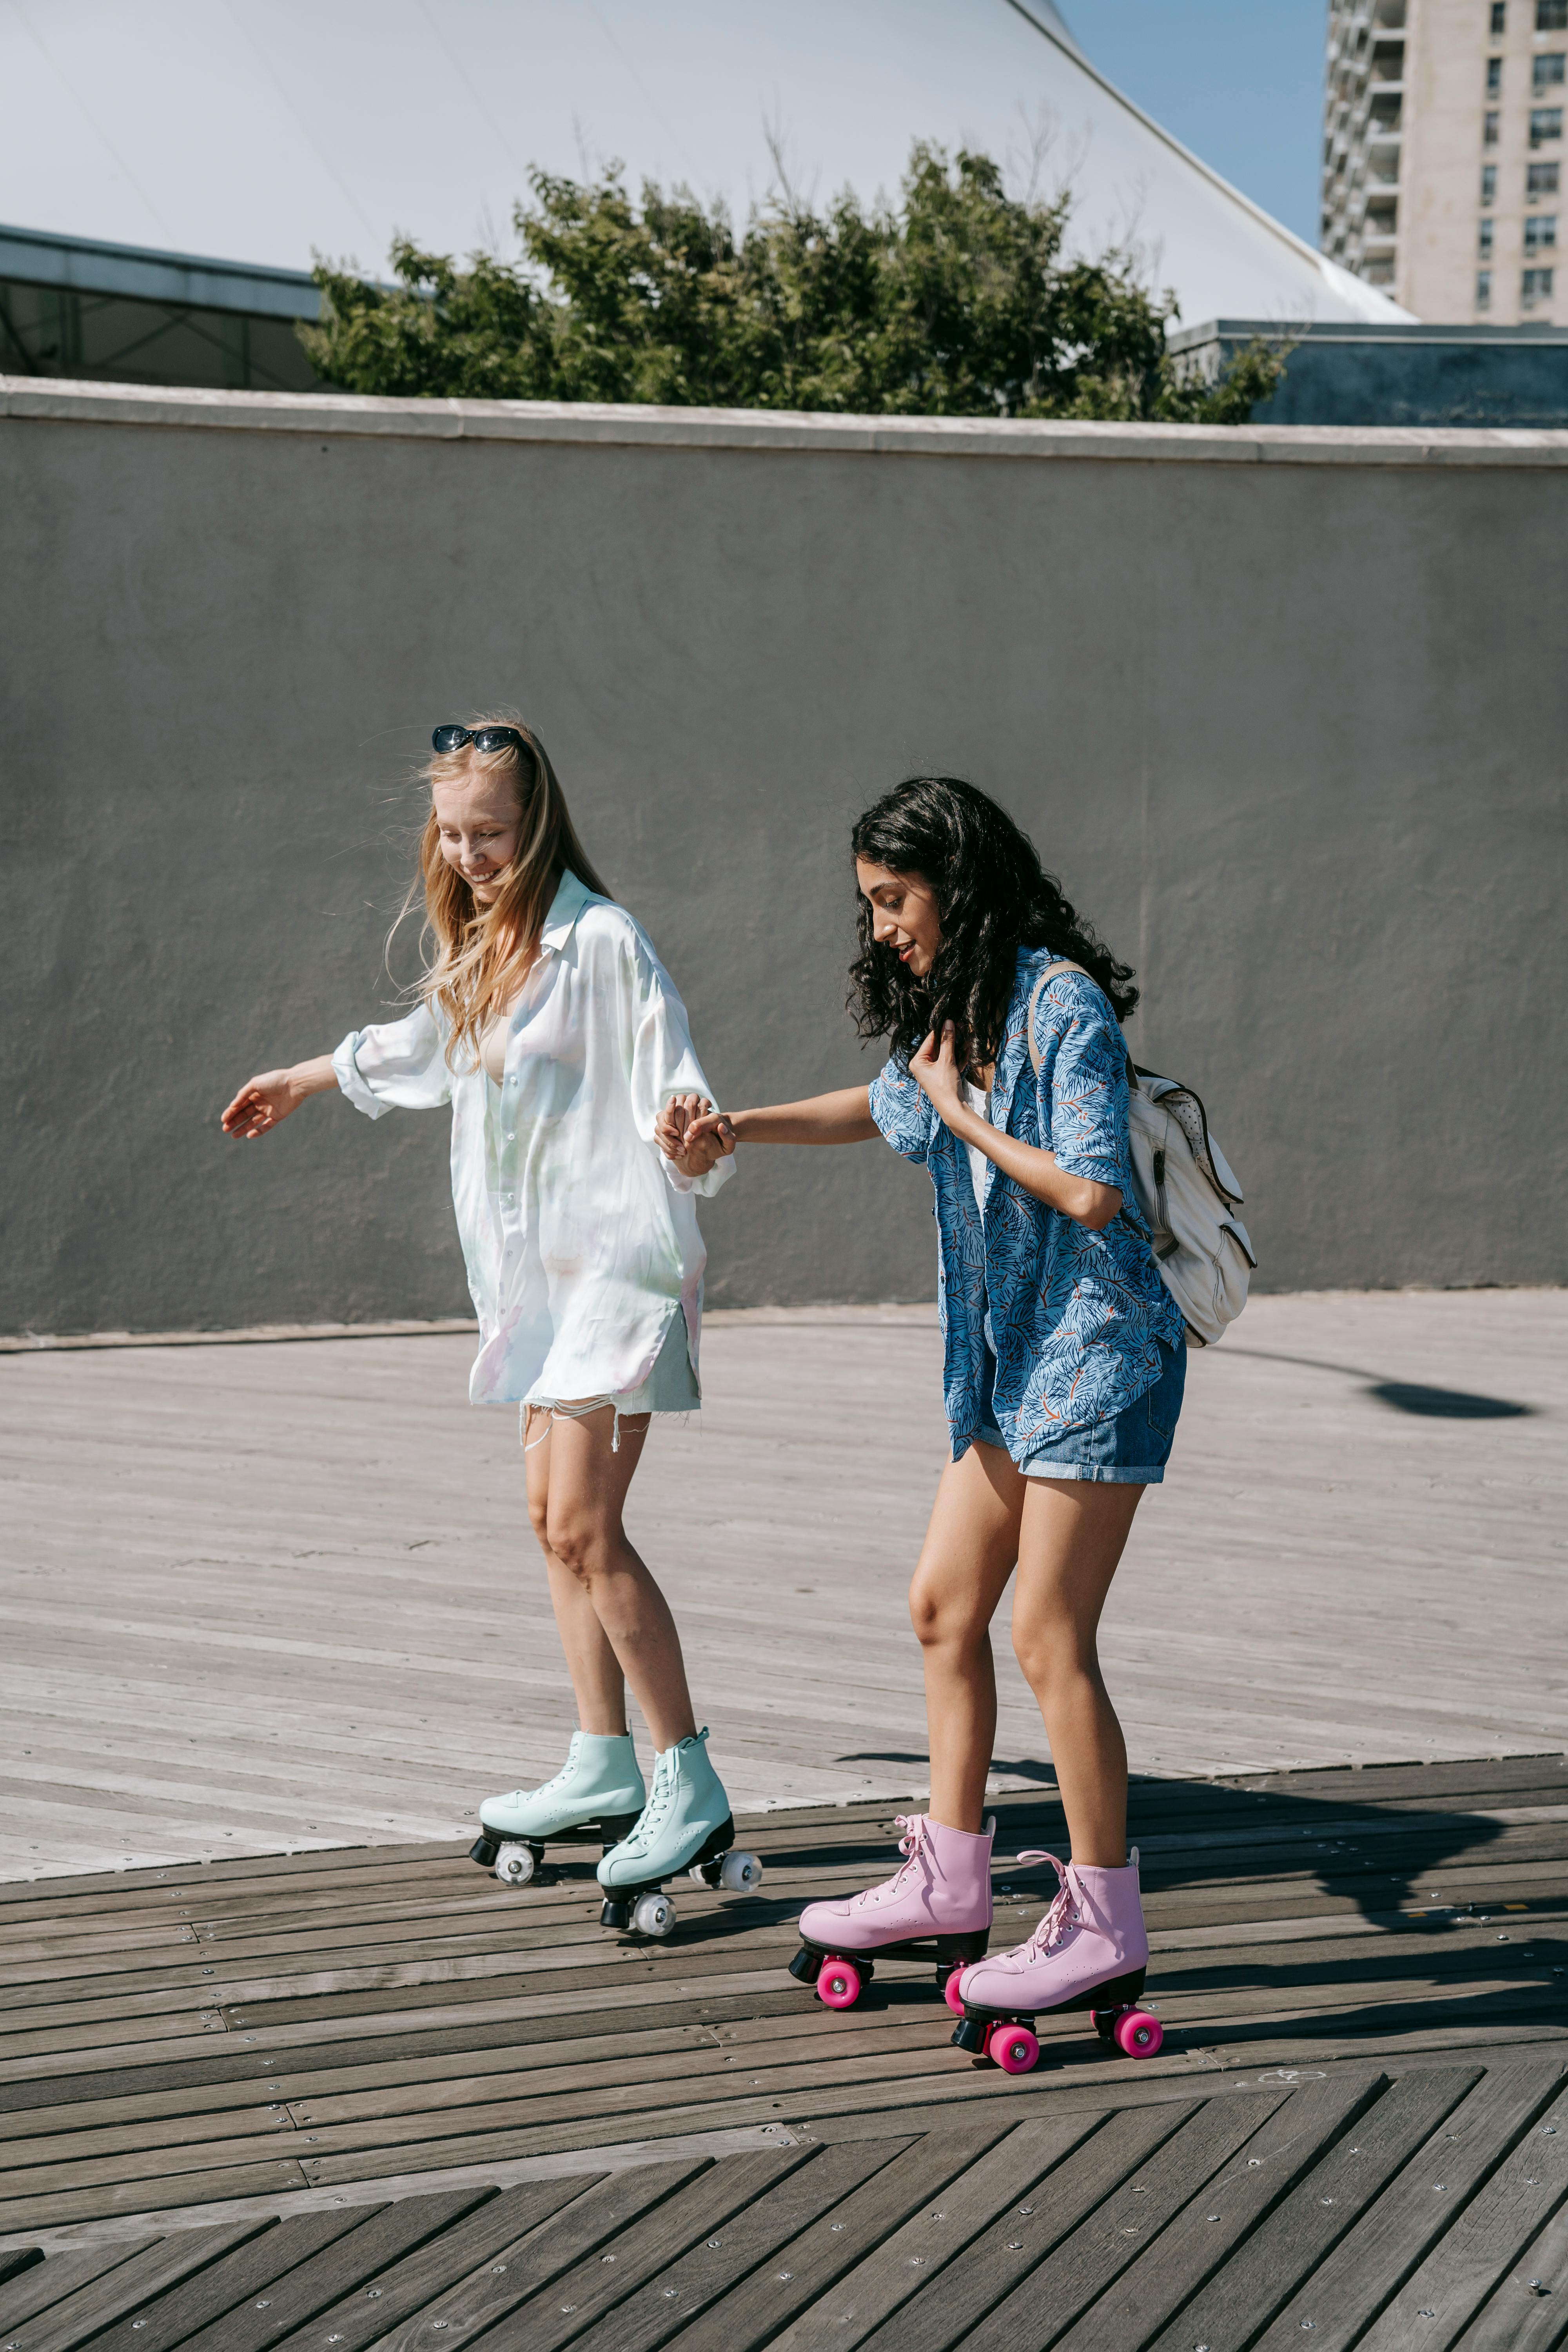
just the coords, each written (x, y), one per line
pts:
(934, 1069)
(258, 1106)
(692, 1135)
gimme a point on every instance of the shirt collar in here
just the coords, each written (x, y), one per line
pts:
(571, 898)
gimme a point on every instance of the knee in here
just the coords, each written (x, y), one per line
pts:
(539, 1521)
(940, 1622)
(1052, 1655)
(577, 1541)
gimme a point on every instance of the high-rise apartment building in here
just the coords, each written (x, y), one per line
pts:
(1442, 145)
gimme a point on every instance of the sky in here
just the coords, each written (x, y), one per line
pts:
(1238, 81)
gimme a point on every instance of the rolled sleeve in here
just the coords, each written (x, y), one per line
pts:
(1083, 1082)
(902, 1112)
(664, 1063)
(395, 1065)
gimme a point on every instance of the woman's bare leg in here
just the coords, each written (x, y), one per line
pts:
(614, 1622)
(971, 1545)
(597, 1682)
(1071, 1539)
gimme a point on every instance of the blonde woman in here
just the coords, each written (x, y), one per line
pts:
(549, 1025)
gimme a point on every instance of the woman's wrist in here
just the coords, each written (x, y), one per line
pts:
(316, 1076)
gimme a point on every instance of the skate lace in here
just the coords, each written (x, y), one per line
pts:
(915, 1844)
(661, 1797)
(1062, 1913)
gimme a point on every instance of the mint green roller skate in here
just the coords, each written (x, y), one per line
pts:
(685, 1825)
(597, 1793)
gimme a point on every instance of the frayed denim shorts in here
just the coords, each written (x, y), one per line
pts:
(1130, 1448)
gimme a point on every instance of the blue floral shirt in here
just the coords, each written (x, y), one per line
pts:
(1076, 1317)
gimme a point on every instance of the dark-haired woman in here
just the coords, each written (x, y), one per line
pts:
(1064, 1361)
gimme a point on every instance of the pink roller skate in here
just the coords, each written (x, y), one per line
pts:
(1090, 1951)
(936, 1908)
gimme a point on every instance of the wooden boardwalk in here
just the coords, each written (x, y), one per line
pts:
(254, 1597)
(369, 2097)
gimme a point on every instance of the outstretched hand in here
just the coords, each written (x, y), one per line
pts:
(258, 1106)
(692, 1135)
(934, 1069)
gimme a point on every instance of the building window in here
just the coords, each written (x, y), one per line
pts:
(1540, 180)
(1494, 76)
(1483, 289)
(1551, 16)
(1535, 286)
(1545, 122)
(1541, 232)
(1484, 241)
(1490, 131)
(1499, 19)
(1548, 71)
(1489, 183)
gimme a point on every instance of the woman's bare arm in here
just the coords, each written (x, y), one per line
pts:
(694, 1136)
(841, 1117)
(262, 1103)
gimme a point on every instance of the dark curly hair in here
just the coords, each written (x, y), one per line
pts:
(994, 896)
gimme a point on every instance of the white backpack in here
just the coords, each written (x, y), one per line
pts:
(1186, 1191)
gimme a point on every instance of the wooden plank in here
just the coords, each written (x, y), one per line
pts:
(558, 2314)
(199, 2303)
(51, 2208)
(1483, 2242)
(912, 2259)
(1348, 2290)
(132, 2284)
(667, 2303)
(1315, 2212)
(1524, 2312)
(17, 2259)
(403, 2291)
(1123, 2226)
(599, 2218)
(24, 2295)
(1204, 2235)
(298, 2295)
(794, 2290)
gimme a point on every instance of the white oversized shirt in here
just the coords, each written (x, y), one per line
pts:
(580, 1238)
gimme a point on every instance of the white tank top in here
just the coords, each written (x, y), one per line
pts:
(979, 1101)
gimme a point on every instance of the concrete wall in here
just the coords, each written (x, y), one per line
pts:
(1285, 710)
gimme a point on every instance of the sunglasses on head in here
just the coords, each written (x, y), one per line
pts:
(483, 739)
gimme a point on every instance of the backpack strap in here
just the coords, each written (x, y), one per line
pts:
(1050, 971)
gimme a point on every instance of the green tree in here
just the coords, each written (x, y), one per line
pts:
(959, 303)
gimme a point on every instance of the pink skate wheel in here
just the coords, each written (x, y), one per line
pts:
(839, 1984)
(953, 1998)
(1013, 2048)
(1138, 2034)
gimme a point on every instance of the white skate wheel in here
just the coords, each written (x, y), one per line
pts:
(741, 1874)
(514, 1865)
(654, 1915)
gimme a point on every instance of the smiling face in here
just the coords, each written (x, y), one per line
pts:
(479, 821)
(904, 915)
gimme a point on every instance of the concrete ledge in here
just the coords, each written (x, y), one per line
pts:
(348, 414)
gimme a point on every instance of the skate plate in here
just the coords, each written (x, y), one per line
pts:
(814, 1962)
(643, 1905)
(1006, 2037)
(609, 1829)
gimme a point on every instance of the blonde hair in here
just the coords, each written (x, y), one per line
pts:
(477, 956)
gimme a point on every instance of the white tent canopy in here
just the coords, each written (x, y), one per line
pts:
(272, 131)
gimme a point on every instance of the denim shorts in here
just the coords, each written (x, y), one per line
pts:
(1130, 1448)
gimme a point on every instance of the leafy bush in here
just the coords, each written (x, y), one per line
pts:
(959, 304)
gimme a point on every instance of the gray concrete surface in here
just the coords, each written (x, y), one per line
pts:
(1284, 709)
(286, 1595)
